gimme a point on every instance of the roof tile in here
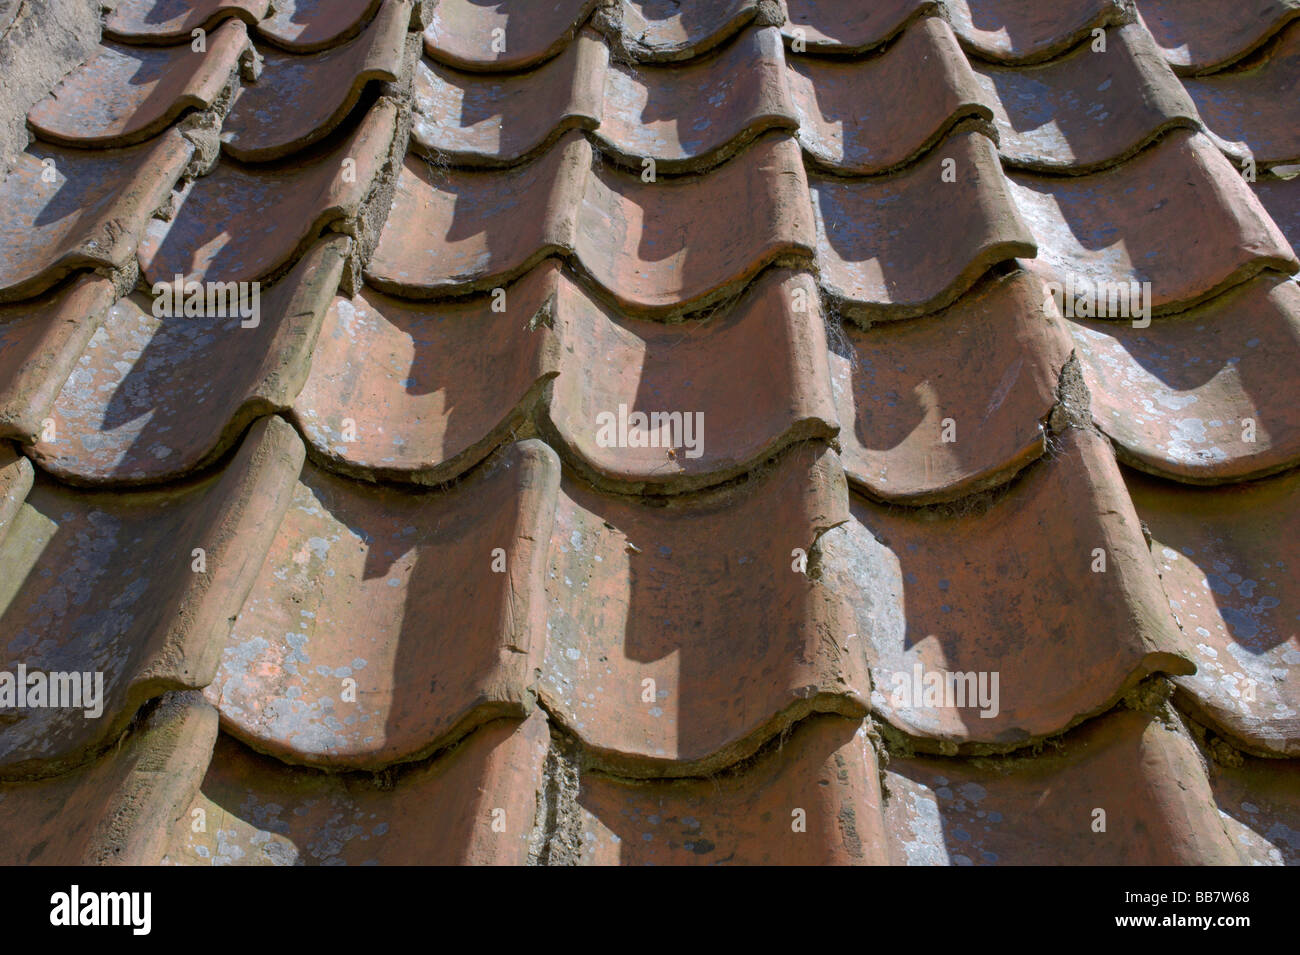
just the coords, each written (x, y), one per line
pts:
(1203, 35)
(848, 26)
(474, 36)
(306, 26)
(1259, 802)
(1028, 31)
(171, 21)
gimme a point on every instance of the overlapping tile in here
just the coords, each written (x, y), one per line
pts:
(663, 30)
(503, 36)
(132, 593)
(847, 26)
(1027, 31)
(1198, 36)
(474, 805)
(337, 661)
(1201, 396)
(1225, 557)
(300, 98)
(1260, 809)
(305, 26)
(172, 21)
(159, 392)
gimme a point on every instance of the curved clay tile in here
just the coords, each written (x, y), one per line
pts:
(848, 26)
(849, 118)
(678, 114)
(437, 813)
(121, 797)
(346, 654)
(1281, 200)
(300, 99)
(675, 595)
(1202, 35)
(111, 583)
(1258, 106)
(472, 119)
(427, 391)
(1030, 31)
(1176, 397)
(1226, 557)
(507, 35)
(153, 398)
(659, 30)
(125, 94)
(40, 343)
(67, 209)
(171, 21)
(826, 767)
(247, 223)
(305, 26)
(1177, 216)
(1086, 110)
(775, 390)
(1259, 803)
(665, 246)
(994, 589)
(989, 363)
(1147, 777)
(904, 245)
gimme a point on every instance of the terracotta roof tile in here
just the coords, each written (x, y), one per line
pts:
(301, 98)
(142, 404)
(1281, 200)
(171, 21)
(657, 30)
(305, 26)
(474, 36)
(1202, 35)
(847, 26)
(989, 363)
(1147, 779)
(126, 94)
(1176, 397)
(876, 237)
(1224, 557)
(1177, 216)
(67, 209)
(1260, 809)
(135, 586)
(929, 600)
(1027, 31)
(441, 812)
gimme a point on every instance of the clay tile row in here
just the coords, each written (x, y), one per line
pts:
(849, 27)
(1177, 216)
(124, 94)
(67, 209)
(691, 115)
(139, 587)
(1226, 558)
(243, 224)
(301, 98)
(171, 21)
(991, 591)
(1200, 36)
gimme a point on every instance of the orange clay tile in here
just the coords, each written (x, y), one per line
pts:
(1177, 215)
(39, 346)
(904, 245)
(125, 803)
(1257, 105)
(169, 21)
(305, 26)
(849, 26)
(301, 98)
(651, 607)
(1029, 31)
(990, 363)
(664, 246)
(153, 398)
(1259, 802)
(1226, 558)
(775, 391)
(242, 224)
(652, 30)
(814, 800)
(66, 209)
(474, 805)
(1147, 779)
(112, 583)
(125, 94)
(1089, 108)
(509, 35)
(848, 109)
(429, 390)
(1201, 396)
(388, 623)
(1203, 35)
(994, 589)
(681, 113)
(473, 119)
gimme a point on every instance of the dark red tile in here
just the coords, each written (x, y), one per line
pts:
(1281, 200)
(848, 26)
(502, 36)
(658, 30)
(1259, 802)
(171, 21)
(1029, 31)
(305, 26)
(1202, 35)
